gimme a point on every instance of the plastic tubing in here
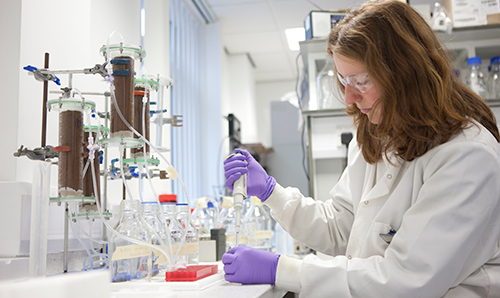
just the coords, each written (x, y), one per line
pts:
(113, 231)
(86, 167)
(90, 254)
(159, 117)
(88, 235)
(113, 99)
(122, 151)
(162, 215)
(80, 240)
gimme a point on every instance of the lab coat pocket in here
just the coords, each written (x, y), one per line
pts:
(378, 238)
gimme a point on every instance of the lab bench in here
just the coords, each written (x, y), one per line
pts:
(96, 284)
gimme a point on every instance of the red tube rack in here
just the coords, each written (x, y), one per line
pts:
(191, 273)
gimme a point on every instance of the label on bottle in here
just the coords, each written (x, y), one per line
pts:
(192, 248)
(231, 238)
(162, 258)
(265, 234)
(130, 252)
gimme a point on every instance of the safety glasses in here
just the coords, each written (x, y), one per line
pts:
(359, 81)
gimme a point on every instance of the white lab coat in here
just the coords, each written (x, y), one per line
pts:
(444, 207)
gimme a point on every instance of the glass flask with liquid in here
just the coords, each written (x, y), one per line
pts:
(190, 234)
(126, 256)
(257, 226)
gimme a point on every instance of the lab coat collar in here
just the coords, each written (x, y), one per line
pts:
(382, 176)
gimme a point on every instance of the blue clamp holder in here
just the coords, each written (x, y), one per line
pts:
(42, 76)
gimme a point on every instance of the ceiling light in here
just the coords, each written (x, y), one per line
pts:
(293, 36)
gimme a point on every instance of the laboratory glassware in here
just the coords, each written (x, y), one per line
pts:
(475, 76)
(227, 221)
(257, 226)
(126, 256)
(494, 78)
(157, 232)
(190, 234)
(175, 232)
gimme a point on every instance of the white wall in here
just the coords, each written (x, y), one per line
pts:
(72, 31)
(10, 13)
(241, 96)
(267, 92)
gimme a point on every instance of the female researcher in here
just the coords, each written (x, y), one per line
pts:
(416, 213)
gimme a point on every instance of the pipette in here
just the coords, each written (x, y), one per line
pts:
(239, 195)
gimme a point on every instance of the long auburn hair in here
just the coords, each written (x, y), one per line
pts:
(423, 103)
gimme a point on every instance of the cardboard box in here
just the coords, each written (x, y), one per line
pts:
(473, 13)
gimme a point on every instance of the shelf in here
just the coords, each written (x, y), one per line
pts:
(325, 126)
(324, 113)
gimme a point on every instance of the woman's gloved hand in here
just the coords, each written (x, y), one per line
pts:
(248, 265)
(259, 184)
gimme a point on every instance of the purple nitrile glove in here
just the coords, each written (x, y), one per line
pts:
(248, 265)
(259, 184)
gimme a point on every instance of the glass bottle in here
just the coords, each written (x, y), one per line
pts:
(226, 220)
(125, 256)
(203, 218)
(325, 87)
(257, 226)
(494, 78)
(190, 234)
(156, 230)
(475, 77)
(175, 232)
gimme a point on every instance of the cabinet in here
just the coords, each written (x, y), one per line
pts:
(326, 154)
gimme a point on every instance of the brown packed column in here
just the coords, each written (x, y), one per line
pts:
(70, 163)
(138, 115)
(88, 184)
(123, 74)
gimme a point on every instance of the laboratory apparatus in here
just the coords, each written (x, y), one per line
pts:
(104, 141)
(475, 78)
(175, 232)
(324, 86)
(257, 226)
(494, 78)
(151, 218)
(239, 195)
(227, 221)
(189, 234)
(128, 258)
(204, 216)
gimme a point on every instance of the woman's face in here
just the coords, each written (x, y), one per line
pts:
(364, 101)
